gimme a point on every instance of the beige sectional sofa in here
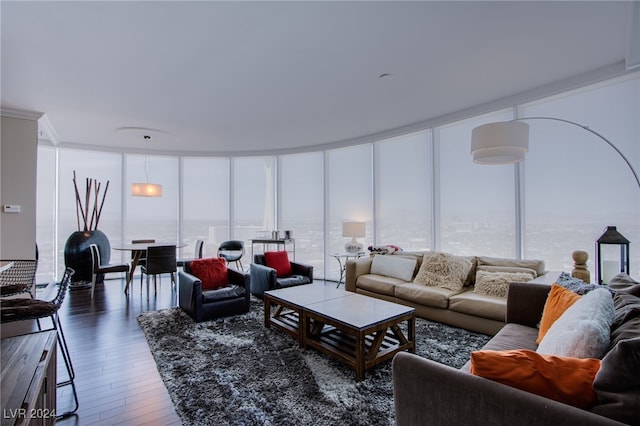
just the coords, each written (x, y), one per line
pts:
(463, 307)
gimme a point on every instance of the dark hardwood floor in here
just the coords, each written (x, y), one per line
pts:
(116, 376)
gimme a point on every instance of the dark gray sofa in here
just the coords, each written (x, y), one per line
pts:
(426, 392)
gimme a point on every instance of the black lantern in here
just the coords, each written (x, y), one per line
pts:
(612, 237)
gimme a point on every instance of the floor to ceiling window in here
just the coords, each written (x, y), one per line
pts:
(301, 192)
(46, 214)
(419, 191)
(477, 208)
(350, 189)
(254, 206)
(205, 204)
(103, 167)
(403, 191)
(575, 184)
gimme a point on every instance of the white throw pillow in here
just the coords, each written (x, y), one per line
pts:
(393, 266)
(583, 330)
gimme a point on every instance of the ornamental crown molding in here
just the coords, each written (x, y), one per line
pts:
(19, 113)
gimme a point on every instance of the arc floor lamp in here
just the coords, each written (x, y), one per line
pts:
(507, 142)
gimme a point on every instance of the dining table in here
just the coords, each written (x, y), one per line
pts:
(138, 250)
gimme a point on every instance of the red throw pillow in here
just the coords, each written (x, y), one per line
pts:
(564, 379)
(212, 272)
(278, 260)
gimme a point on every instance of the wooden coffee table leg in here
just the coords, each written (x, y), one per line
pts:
(360, 355)
(267, 312)
(412, 333)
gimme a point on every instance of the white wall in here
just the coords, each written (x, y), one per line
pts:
(18, 158)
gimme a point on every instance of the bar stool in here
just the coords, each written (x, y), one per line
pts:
(35, 309)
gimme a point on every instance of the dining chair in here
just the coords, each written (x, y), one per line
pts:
(22, 309)
(198, 254)
(143, 258)
(98, 268)
(160, 260)
(232, 251)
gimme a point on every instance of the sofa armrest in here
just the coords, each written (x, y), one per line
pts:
(262, 278)
(525, 303)
(189, 290)
(302, 269)
(353, 269)
(241, 279)
(426, 392)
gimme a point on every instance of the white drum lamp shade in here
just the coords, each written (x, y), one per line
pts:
(146, 190)
(500, 143)
(353, 230)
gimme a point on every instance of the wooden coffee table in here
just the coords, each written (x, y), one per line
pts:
(357, 330)
(283, 307)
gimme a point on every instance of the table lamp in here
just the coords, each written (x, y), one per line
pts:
(353, 230)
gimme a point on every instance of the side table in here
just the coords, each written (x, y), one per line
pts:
(342, 258)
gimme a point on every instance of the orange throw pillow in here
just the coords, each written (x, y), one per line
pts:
(212, 272)
(564, 379)
(278, 260)
(558, 301)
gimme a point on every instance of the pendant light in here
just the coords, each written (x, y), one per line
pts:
(146, 189)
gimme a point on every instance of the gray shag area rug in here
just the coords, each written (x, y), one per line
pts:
(234, 371)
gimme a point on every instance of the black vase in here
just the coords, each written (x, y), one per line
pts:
(77, 254)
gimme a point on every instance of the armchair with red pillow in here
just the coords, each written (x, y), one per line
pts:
(273, 270)
(207, 289)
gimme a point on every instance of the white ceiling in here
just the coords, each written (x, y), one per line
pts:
(247, 77)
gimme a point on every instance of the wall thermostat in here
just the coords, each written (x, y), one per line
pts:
(11, 208)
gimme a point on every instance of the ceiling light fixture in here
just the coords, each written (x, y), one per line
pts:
(146, 189)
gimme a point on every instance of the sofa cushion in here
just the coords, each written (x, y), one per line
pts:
(443, 270)
(512, 269)
(278, 260)
(565, 379)
(583, 330)
(224, 293)
(558, 301)
(479, 305)
(292, 280)
(617, 384)
(496, 283)
(535, 265)
(436, 297)
(378, 284)
(626, 323)
(212, 272)
(623, 282)
(511, 336)
(393, 266)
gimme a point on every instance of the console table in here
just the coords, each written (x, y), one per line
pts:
(277, 242)
(28, 376)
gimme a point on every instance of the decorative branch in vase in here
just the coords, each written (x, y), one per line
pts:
(89, 224)
(77, 252)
